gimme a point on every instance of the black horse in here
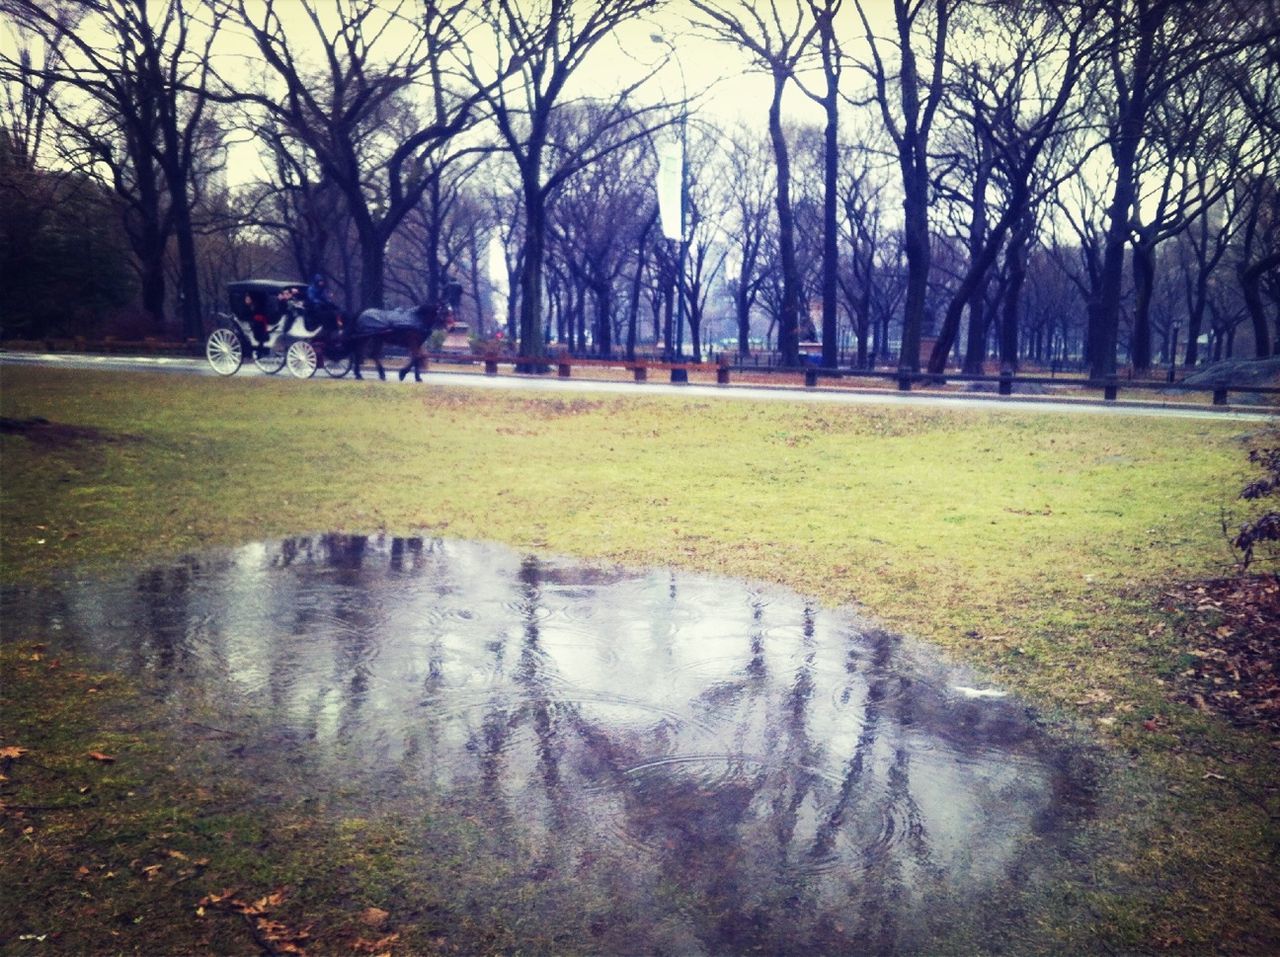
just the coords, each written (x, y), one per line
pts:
(374, 329)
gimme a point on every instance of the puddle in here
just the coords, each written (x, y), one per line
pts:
(685, 764)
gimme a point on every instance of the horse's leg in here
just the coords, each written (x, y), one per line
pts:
(357, 356)
(413, 344)
(377, 358)
(419, 356)
(414, 363)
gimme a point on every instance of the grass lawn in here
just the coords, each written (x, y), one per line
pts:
(1041, 548)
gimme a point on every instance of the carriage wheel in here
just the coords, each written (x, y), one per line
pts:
(337, 365)
(302, 359)
(223, 351)
(271, 362)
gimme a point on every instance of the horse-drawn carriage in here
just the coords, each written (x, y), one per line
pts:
(278, 325)
(273, 322)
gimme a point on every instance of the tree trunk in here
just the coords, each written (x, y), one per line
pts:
(830, 244)
(189, 308)
(1144, 277)
(1195, 318)
(1132, 117)
(1016, 261)
(535, 213)
(975, 352)
(788, 344)
(152, 283)
(373, 261)
(1251, 286)
(915, 206)
(604, 320)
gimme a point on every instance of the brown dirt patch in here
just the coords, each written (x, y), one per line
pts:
(44, 432)
(1232, 627)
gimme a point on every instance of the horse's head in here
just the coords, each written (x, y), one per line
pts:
(431, 316)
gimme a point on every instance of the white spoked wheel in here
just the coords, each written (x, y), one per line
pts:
(337, 366)
(301, 359)
(271, 361)
(223, 351)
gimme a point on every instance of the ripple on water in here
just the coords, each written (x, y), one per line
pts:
(674, 803)
(721, 735)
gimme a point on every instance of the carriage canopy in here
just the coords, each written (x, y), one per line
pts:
(267, 294)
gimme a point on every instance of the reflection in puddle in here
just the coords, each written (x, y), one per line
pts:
(728, 766)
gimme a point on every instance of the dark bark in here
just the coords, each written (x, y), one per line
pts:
(1016, 272)
(824, 16)
(918, 105)
(530, 316)
(1144, 278)
(788, 319)
(1251, 280)
(971, 289)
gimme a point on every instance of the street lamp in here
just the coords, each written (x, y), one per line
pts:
(684, 188)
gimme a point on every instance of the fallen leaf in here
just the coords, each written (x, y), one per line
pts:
(374, 916)
(99, 756)
(12, 751)
(226, 894)
(382, 946)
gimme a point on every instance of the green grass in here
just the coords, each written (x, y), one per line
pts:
(1031, 544)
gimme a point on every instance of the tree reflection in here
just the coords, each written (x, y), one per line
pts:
(775, 776)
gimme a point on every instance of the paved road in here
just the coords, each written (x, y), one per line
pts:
(841, 396)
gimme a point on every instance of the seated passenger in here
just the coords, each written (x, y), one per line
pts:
(259, 325)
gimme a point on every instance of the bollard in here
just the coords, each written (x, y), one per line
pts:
(490, 366)
(722, 375)
(1220, 396)
(563, 370)
(1006, 382)
(1109, 389)
(641, 373)
(904, 380)
(810, 377)
(679, 374)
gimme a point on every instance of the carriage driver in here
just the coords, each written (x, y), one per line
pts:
(318, 292)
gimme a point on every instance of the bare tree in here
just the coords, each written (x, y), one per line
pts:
(748, 224)
(139, 72)
(596, 220)
(374, 111)
(549, 40)
(776, 41)
(1015, 111)
(908, 104)
(860, 200)
(1153, 46)
(824, 14)
(28, 93)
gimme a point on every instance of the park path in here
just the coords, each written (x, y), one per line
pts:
(834, 396)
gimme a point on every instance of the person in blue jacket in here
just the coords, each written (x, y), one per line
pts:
(318, 292)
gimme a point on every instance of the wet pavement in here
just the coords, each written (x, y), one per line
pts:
(652, 762)
(986, 402)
